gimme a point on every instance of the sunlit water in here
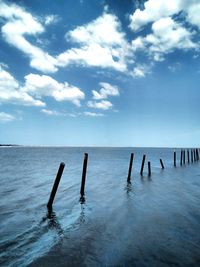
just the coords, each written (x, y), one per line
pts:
(154, 221)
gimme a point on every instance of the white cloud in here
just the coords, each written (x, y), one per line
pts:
(138, 43)
(35, 87)
(105, 91)
(102, 44)
(193, 15)
(18, 24)
(104, 104)
(50, 19)
(93, 114)
(155, 10)
(167, 35)
(5, 117)
(52, 112)
(11, 92)
(140, 71)
(43, 85)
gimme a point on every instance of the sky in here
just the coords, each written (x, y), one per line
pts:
(100, 73)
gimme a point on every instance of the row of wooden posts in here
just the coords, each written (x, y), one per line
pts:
(192, 156)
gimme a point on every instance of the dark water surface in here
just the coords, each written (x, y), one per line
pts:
(154, 221)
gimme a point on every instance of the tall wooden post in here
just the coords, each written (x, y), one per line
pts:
(130, 167)
(174, 158)
(188, 156)
(142, 166)
(184, 156)
(82, 190)
(181, 161)
(55, 186)
(192, 156)
(149, 168)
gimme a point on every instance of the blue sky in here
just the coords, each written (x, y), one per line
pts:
(100, 73)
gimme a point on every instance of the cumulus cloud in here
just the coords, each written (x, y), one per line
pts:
(101, 44)
(35, 88)
(167, 35)
(5, 117)
(155, 10)
(105, 91)
(104, 104)
(193, 12)
(17, 24)
(43, 85)
(11, 92)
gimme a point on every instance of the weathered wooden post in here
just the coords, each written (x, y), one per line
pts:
(174, 158)
(188, 156)
(82, 190)
(191, 156)
(161, 163)
(142, 166)
(181, 160)
(184, 156)
(55, 186)
(130, 167)
(149, 168)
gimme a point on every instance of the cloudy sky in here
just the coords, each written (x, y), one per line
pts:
(102, 73)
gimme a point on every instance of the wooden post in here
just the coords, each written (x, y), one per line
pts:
(181, 161)
(184, 156)
(174, 158)
(191, 156)
(142, 166)
(162, 164)
(197, 154)
(149, 168)
(82, 191)
(188, 156)
(130, 167)
(194, 156)
(55, 186)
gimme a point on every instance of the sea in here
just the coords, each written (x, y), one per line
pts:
(154, 220)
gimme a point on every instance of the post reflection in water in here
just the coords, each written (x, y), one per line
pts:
(82, 214)
(128, 188)
(82, 200)
(52, 222)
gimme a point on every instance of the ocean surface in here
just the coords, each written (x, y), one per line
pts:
(152, 221)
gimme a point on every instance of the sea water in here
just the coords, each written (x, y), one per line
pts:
(152, 221)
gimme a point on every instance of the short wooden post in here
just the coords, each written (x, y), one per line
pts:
(161, 163)
(142, 166)
(184, 156)
(82, 190)
(192, 156)
(174, 158)
(130, 167)
(197, 154)
(181, 161)
(149, 168)
(55, 186)
(188, 156)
